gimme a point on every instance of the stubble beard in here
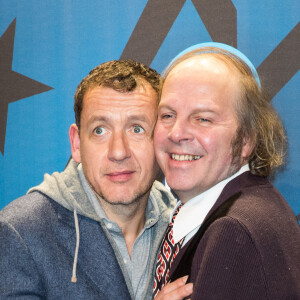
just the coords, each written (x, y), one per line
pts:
(135, 199)
(123, 206)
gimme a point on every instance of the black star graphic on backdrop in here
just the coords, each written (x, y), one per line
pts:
(13, 86)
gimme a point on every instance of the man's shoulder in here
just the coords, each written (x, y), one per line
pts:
(260, 208)
(34, 208)
(260, 195)
(252, 193)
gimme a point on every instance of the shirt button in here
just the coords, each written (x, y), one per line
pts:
(109, 225)
(125, 260)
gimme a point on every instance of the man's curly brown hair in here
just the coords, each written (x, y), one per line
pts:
(121, 75)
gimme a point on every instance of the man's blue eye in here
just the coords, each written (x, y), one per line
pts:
(138, 129)
(99, 131)
(167, 116)
(203, 120)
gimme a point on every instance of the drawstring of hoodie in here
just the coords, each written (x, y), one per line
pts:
(74, 278)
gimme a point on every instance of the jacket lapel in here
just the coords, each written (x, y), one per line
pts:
(96, 258)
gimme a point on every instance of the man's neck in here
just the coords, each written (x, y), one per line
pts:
(185, 196)
(130, 218)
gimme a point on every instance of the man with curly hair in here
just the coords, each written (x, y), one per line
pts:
(93, 231)
(217, 139)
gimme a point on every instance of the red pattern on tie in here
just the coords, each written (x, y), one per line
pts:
(166, 256)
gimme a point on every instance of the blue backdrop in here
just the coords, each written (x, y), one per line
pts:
(47, 47)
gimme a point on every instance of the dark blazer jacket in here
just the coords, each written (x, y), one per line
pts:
(248, 247)
(37, 243)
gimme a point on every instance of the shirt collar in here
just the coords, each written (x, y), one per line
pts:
(194, 211)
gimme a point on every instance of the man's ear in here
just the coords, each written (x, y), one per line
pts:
(247, 148)
(75, 142)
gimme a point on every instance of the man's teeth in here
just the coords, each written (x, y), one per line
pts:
(185, 157)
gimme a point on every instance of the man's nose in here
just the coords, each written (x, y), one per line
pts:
(118, 147)
(180, 132)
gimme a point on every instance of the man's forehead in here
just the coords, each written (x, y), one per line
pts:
(207, 61)
(202, 77)
(104, 103)
(201, 69)
(105, 93)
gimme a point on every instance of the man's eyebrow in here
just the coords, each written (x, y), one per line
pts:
(193, 111)
(165, 107)
(132, 118)
(97, 119)
(138, 117)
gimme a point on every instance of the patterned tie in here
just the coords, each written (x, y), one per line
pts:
(167, 254)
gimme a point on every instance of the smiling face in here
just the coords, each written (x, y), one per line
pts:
(197, 124)
(115, 144)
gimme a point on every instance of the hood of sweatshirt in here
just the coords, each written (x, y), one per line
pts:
(66, 189)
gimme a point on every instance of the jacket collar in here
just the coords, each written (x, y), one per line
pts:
(232, 189)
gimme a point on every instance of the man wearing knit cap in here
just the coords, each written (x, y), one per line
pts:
(217, 139)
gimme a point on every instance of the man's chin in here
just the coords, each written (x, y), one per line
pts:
(125, 197)
(179, 184)
(121, 200)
